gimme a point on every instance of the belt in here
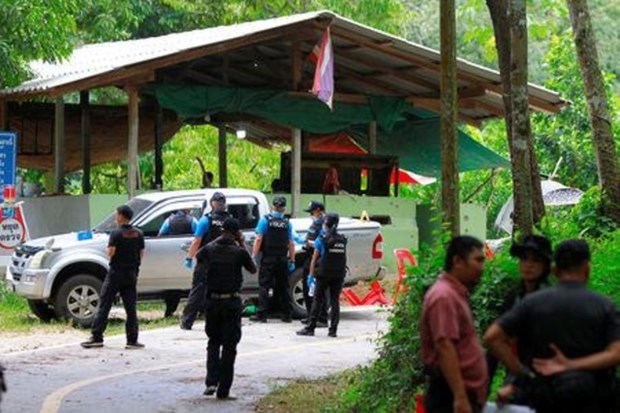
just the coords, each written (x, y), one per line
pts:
(223, 296)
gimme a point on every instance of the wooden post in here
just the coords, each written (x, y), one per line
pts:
(59, 145)
(4, 115)
(449, 146)
(132, 141)
(296, 173)
(223, 157)
(159, 142)
(296, 66)
(85, 109)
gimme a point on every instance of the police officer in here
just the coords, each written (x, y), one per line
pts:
(317, 211)
(179, 223)
(220, 264)
(208, 229)
(125, 249)
(330, 251)
(274, 240)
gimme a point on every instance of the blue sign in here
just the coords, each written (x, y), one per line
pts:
(8, 157)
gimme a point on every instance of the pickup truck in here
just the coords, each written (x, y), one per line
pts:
(61, 276)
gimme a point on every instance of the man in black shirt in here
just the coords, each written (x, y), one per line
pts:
(125, 249)
(567, 333)
(220, 263)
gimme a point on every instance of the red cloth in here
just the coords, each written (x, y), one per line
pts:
(446, 314)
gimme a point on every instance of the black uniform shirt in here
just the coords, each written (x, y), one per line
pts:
(128, 242)
(221, 263)
(580, 322)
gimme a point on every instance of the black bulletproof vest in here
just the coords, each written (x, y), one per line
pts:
(180, 224)
(223, 267)
(216, 219)
(275, 239)
(333, 263)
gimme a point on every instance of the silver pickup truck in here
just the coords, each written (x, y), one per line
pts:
(61, 276)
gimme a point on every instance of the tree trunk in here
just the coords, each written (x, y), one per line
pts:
(603, 139)
(511, 42)
(449, 147)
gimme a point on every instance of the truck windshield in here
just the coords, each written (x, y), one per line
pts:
(109, 224)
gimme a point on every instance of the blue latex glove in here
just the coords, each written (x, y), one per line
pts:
(188, 263)
(291, 266)
(311, 280)
(300, 240)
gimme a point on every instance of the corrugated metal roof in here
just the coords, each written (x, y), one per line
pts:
(90, 61)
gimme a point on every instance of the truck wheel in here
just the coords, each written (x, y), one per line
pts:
(78, 299)
(41, 309)
(296, 281)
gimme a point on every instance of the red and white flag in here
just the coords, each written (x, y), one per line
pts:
(323, 86)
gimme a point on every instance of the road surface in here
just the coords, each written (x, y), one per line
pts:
(168, 376)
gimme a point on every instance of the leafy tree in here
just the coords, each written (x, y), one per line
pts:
(33, 30)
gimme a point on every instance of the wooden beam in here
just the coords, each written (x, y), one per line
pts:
(132, 140)
(364, 79)
(85, 109)
(159, 143)
(4, 115)
(59, 146)
(222, 157)
(296, 65)
(296, 173)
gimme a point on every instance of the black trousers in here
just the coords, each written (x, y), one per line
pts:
(273, 273)
(195, 300)
(335, 287)
(322, 316)
(123, 282)
(223, 329)
(439, 397)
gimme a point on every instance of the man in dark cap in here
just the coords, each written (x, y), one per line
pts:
(220, 264)
(568, 334)
(275, 242)
(209, 228)
(125, 249)
(317, 211)
(330, 252)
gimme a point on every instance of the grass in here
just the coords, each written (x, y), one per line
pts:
(308, 396)
(15, 316)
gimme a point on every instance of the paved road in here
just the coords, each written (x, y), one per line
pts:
(168, 376)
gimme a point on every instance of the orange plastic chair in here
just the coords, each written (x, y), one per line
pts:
(404, 258)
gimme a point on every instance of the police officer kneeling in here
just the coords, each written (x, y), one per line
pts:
(220, 263)
(331, 248)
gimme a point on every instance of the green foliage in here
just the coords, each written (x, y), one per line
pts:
(33, 30)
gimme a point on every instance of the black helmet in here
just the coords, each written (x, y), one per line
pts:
(279, 202)
(331, 220)
(540, 246)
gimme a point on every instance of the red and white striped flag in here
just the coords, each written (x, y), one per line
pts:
(323, 86)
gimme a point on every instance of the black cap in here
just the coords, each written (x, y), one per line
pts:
(533, 243)
(218, 197)
(279, 202)
(314, 205)
(331, 220)
(231, 224)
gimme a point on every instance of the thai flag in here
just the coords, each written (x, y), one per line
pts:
(323, 86)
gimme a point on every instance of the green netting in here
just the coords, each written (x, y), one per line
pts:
(410, 133)
(417, 145)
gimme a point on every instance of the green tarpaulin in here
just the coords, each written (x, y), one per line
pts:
(408, 132)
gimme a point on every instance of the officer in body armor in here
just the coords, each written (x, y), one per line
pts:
(274, 240)
(178, 223)
(317, 210)
(330, 253)
(220, 264)
(209, 228)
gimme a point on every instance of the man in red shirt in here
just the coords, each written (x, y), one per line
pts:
(451, 351)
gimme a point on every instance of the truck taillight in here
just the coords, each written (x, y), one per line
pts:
(377, 248)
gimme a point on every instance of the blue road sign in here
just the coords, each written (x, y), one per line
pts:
(8, 156)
